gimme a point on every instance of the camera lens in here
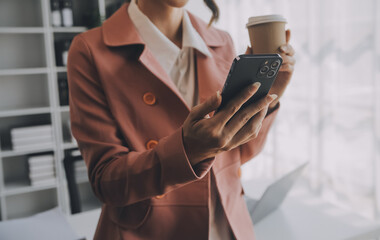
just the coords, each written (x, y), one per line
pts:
(275, 64)
(264, 69)
(271, 73)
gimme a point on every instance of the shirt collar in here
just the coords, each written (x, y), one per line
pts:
(191, 38)
(158, 42)
(162, 48)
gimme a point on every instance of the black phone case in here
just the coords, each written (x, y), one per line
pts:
(246, 70)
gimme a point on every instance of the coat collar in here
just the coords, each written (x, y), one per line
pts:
(119, 30)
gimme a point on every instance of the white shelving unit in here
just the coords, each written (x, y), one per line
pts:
(29, 95)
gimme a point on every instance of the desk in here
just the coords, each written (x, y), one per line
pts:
(300, 217)
(303, 216)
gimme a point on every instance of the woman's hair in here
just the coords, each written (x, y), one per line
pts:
(212, 6)
(214, 9)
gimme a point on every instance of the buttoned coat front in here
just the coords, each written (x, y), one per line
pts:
(127, 115)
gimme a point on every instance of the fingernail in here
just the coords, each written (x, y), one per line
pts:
(256, 84)
(284, 48)
(273, 96)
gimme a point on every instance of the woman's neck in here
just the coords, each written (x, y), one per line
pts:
(167, 19)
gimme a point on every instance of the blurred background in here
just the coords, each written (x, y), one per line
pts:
(329, 116)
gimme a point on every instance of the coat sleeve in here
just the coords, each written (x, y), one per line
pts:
(120, 176)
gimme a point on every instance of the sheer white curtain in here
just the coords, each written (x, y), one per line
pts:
(330, 114)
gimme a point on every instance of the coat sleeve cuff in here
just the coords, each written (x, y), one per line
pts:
(176, 167)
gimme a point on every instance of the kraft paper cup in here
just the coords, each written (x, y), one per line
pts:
(266, 33)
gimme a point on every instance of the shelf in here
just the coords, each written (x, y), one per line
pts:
(68, 29)
(22, 51)
(29, 89)
(26, 204)
(11, 153)
(23, 112)
(64, 109)
(69, 145)
(16, 13)
(60, 69)
(23, 71)
(21, 187)
(22, 30)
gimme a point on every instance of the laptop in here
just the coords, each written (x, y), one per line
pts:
(273, 196)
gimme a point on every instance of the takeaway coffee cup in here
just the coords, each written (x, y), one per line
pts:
(266, 33)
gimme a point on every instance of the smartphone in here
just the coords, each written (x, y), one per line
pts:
(248, 69)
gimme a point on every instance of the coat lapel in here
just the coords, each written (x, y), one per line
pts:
(150, 62)
(119, 31)
(211, 74)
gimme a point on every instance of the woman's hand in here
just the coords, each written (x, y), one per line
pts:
(205, 136)
(286, 71)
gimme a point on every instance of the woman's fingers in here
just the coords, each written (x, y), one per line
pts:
(287, 68)
(287, 49)
(249, 131)
(200, 111)
(244, 115)
(286, 59)
(224, 115)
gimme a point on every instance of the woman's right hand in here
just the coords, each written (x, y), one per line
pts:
(204, 136)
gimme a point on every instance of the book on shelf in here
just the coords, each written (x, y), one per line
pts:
(32, 137)
(31, 140)
(30, 131)
(34, 146)
(80, 167)
(40, 176)
(43, 182)
(75, 153)
(41, 159)
(41, 168)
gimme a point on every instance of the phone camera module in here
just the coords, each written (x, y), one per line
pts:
(271, 73)
(264, 69)
(275, 64)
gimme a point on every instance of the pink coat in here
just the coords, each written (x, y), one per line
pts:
(126, 115)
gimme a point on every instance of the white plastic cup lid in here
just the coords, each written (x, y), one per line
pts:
(265, 19)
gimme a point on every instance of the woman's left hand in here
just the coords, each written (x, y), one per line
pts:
(286, 71)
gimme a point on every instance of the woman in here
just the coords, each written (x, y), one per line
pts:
(143, 87)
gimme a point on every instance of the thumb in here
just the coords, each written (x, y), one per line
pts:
(201, 110)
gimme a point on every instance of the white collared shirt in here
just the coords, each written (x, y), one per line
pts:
(179, 64)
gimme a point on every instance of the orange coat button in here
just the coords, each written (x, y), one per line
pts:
(149, 98)
(151, 144)
(160, 196)
(239, 172)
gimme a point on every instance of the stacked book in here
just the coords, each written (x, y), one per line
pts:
(80, 169)
(41, 170)
(33, 137)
